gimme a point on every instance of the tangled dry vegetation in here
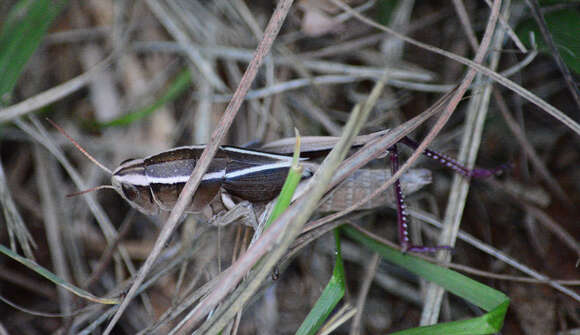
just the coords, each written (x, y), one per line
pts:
(133, 78)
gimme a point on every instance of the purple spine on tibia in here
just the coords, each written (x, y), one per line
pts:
(455, 165)
(402, 221)
(447, 161)
(400, 199)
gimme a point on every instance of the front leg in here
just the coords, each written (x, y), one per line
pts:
(243, 211)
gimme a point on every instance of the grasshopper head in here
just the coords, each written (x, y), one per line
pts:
(130, 181)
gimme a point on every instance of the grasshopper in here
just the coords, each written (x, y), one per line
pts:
(242, 175)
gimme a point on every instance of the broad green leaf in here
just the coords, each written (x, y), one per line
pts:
(564, 26)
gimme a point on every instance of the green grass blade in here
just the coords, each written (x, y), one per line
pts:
(181, 83)
(23, 29)
(489, 323)
(332, 294)
(335, 289)
(55, 279)
(292, 181)
(492, 301)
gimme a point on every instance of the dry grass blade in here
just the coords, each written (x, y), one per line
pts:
(56, 93)
(554, 112)
(193, 54)
(53, 230)
(40, 135)
(168, 78)
(370, 273)
(375, 149)
(289, 224)
(478, 107)
(210, 150)
(17, 230)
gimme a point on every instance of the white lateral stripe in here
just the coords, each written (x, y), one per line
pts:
(257, 153)
(168, 180)
(214, 175)
(258, 168)
(141, 180)
(133, 179)
(183, 179)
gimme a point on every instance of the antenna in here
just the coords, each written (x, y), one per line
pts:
(96, 188)
(79, 147)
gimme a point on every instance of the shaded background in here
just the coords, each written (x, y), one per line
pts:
(159, 75)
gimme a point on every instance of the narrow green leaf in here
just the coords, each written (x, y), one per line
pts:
(292, 181)
(181, 83)
(23, 29)
(55, 279)
(332, 294)
(485, 297)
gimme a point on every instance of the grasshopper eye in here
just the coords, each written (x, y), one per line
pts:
(130, 192)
